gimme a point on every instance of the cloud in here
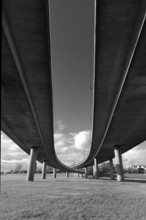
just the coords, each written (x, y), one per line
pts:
(11, 154)
(60, 126)
(11, 151)
(71, 158)
(58, 136)
(83, 140)
(70, 149)
(135, 156)
(73, 147)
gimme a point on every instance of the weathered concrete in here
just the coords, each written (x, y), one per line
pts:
(27, 115)
(67, 174)
(111, 168)
(32, 164)
(119, 164)
(78, 174)
(119, 79)
(95, 169)
(86, 172)
(54, 172)
(2, 92)
(44, 165)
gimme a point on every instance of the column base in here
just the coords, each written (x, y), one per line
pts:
(96, 175)
(119, 164)
(32, 164)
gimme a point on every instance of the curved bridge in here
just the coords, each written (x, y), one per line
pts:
(27, 109)
(119, 111)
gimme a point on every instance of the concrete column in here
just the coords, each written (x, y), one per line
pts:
(95, 169)
(111, 169)
(44, 170)
(32, 164)
(78, 173)
(67, 174)
(54, 172)
(119, 164)
(86, 172)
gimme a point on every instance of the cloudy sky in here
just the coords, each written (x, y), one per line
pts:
(70, 148)
(72, 71)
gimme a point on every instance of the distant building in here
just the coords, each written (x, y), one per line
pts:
(140, 168)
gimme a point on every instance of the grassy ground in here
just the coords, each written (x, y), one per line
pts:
(72, 198)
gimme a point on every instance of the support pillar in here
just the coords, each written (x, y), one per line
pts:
(44, 170)
(67, 174)
(111, 169)
(78, 173)
(54, 172)
(119, 164)
(32, 164)
(95, 169)
(86, 172)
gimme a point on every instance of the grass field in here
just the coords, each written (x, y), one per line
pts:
(72, 198)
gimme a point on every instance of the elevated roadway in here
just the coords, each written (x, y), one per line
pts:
(27, 106)
(119, 106)
(119, 112)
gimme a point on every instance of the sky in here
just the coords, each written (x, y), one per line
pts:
(72, 30)
(72, 71)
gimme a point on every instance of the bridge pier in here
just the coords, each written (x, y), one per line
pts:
(78, 173)
(54, 172)
(86, 172)
(119, 164)
(67, 174)
(44, 170)
(32, 164)
(111, 169)
(95, 169)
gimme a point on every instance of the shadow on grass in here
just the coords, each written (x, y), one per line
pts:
(90, 178)
(127, 179)
(137, 177)
(134, 181)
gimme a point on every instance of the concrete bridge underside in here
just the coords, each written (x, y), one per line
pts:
(119, 108)
(27, 108)
(119, 112)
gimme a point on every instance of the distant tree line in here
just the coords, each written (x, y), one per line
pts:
(104, 168)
